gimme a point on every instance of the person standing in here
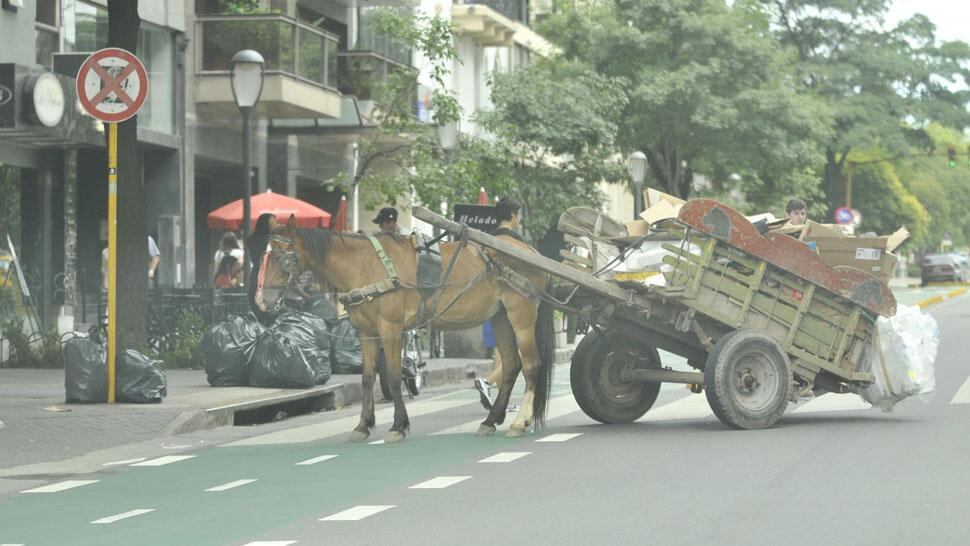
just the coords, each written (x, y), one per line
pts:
(154, 258)
(228, 247)
(386, 221)
(255, 248)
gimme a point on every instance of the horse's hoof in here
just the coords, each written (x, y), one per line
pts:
(515, 432)
(358, 436)
(485, 431)
(394, 437)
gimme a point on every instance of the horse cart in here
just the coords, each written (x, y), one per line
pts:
(760, 317)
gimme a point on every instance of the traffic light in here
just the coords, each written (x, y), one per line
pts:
(952, 152)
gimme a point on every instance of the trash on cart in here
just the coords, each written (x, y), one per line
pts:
(901, 359)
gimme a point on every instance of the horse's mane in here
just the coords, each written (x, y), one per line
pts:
(317, 241)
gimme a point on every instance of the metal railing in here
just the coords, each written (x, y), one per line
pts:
(288, 46)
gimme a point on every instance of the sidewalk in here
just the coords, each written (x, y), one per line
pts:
(40, 427)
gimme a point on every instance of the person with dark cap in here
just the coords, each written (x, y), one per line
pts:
(386, 220)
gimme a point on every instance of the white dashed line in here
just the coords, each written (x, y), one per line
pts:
(833, 402)
(561, 437)
(271, 543)
(315, 460)
(162, 461)
(687, 408)
(440, 482)
(377, 443)
(963, 395)
(125, 515)
(11, 545)
(60, 486)
(228, 486)
(505, 457)
(127, 461)
(358, 512)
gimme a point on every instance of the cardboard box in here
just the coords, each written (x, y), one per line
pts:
(637, 228)
(661, 211)
(870, 254)
(654, 197)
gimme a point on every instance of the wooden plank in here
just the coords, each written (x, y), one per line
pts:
(533, 259)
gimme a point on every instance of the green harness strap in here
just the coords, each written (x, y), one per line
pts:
(388, 264)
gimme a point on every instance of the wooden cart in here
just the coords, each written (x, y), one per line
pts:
(760, 316)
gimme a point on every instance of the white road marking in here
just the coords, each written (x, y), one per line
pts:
(315, 460)
(357, 513)
(344, 425)
(126, 461)
(505, 457)
(560, 437)
(60, 486)
(230, 485)
(833, 402)
(11, 545)
(125, 515)
(963, 395)
(162, 461)
(377, 443)
(270, 543)
(693, 406)
(440, 482)
(558, 407)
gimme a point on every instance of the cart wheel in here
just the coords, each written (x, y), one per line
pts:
(748, 380)
(599, 391)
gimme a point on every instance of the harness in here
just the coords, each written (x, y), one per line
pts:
(367, 293)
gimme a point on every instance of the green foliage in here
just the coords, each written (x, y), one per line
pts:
(180, 349)
(9, 205)
(41, 350)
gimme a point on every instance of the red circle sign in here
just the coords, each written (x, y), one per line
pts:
(112, 85)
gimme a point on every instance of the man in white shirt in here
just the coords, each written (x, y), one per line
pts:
(154, 257)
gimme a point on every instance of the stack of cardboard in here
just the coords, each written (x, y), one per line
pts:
(659, 206)
(874, 255)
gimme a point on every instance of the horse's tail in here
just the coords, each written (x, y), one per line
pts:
(546, 345)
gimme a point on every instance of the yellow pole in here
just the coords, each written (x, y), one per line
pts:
(848, 185)
(112, 256)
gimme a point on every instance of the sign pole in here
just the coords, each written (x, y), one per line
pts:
(112, 256)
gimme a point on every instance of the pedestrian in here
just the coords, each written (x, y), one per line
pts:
(797, 212)
(227, 275)
(154, 258)
(229, 246)
(255, 248)
(386, 221)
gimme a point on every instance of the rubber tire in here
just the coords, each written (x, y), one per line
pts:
(414, 384)
(720, 389)
(586, 380)
(382, 373)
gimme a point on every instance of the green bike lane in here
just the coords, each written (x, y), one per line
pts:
(283, 494)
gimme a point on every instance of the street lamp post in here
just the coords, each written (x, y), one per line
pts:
(637, 163)
(246, 75)
(447, 134)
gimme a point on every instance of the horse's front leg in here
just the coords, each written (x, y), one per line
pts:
(391, 339)
(370, 348)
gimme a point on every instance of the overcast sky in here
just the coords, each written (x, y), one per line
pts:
(952, 17)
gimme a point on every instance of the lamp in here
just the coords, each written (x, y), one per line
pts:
(246, 77)
(637, 164)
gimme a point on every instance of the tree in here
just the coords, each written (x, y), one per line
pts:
(708, 89)
(882, 86)
(132, 280)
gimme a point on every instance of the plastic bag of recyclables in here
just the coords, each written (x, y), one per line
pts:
(901, 359)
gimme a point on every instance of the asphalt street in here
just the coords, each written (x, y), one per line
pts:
(832, 471)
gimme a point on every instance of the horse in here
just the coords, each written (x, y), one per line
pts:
(475, 286)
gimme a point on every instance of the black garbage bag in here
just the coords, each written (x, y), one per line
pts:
(278, 361)
(85, 372)
(310, 334)
(345, 353)
(227, 346)
(140, 380)
(323, 308)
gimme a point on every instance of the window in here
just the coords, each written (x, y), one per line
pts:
(48, 31)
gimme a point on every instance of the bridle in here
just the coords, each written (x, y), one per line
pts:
(288, 261)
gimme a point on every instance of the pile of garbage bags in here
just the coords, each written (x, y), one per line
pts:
(139, 380)
(299, 350)
(901, 359)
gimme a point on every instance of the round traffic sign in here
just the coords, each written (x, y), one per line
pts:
(112, 85)
(843, 216)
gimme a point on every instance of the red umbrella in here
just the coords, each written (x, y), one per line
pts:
(307, 216)
(340, 222)
(482, 196)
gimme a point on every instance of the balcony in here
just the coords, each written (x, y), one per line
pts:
(301, 72)
(499, 23)
(370, 61)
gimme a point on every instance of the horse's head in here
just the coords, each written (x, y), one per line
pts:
(280, 267)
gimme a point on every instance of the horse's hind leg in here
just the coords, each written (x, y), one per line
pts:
(370, 348)
(392, 356)
(505, 345)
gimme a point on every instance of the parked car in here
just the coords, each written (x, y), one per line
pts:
(942, 268)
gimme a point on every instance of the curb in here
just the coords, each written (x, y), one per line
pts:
(923, 304)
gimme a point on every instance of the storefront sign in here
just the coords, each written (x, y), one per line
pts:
(46, 97)
(112, 85)
(480, 217)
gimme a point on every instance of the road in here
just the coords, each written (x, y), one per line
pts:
(831, 472)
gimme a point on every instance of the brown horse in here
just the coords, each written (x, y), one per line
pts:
(476, 289)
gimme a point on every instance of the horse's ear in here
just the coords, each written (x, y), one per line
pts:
(291, 224)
